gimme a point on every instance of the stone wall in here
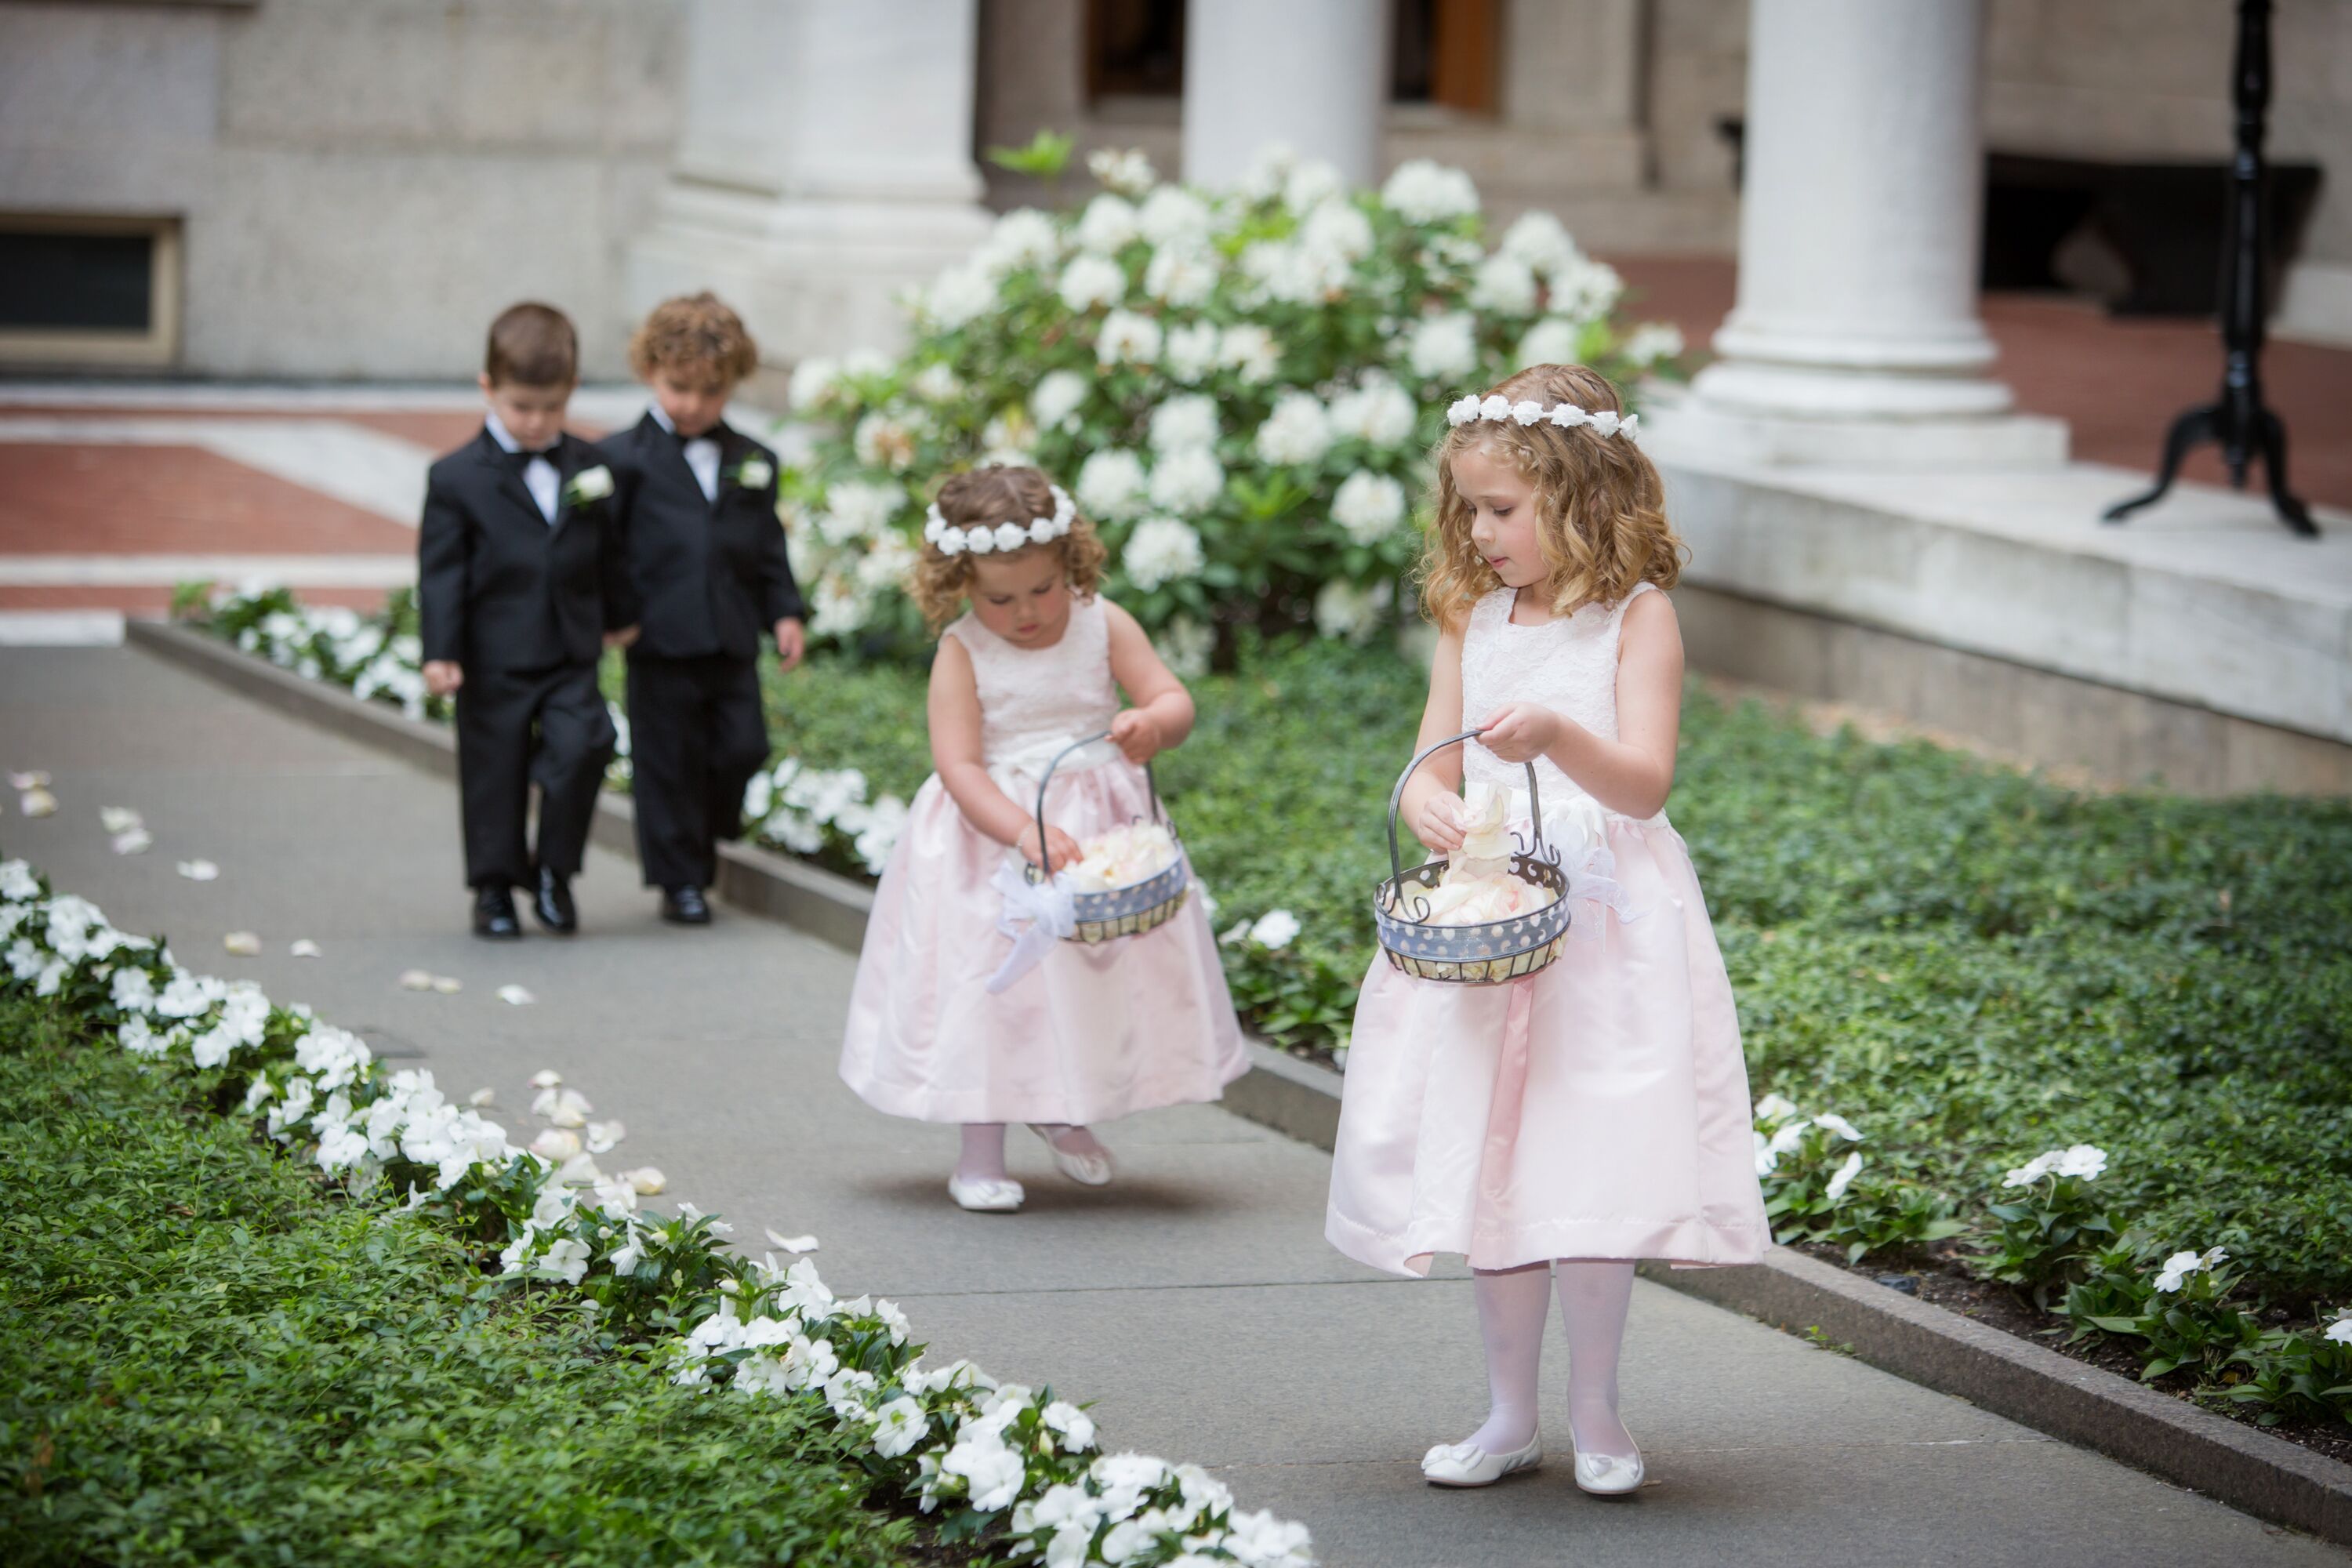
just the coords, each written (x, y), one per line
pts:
(363, 183)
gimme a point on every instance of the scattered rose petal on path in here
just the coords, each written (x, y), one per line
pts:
(563, 1107)
(546, 1078)
(38, 801)
(199, 870)
(27, 781)
(556, 1144)
(447, 984)
(243, 944)
(133, 841)
(516, 996)
(646, 1180)
(120, 818)
(603, 1135)
(304, 948)
(481, 1097)
(793, 1243)
(415, 980)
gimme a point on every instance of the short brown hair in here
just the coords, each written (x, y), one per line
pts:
(696, 334)
(532, 345)
(993, 495)
(1600, 505)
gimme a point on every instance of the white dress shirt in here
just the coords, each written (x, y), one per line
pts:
(539, 475)
(701, 456)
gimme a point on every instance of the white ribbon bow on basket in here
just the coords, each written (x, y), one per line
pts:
(1035, 915)
(1576, 836)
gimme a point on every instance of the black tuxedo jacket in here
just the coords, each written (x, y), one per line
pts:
(501, 588)
(711, 577)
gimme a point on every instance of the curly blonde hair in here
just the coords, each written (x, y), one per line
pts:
(993, 495)
(1600, 507)
(695, 337)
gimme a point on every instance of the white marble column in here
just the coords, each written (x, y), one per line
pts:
(825, 167)
(1311, 74)
(1859, 238)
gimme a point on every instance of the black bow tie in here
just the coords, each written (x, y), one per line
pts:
(683, 439)
(521, 459)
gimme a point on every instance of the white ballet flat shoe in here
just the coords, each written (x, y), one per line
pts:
(1606, 1475)
(986, 1197)
(1468, 1464)
(1086, 1170)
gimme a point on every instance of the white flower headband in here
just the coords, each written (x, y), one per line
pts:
(1566, 415)
(983, 538)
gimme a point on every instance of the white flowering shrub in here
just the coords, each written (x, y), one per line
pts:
(1241, 388)
(377, 658)
(989, 1455)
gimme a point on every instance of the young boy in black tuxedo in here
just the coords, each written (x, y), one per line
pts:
(521, 581)
(697, 502)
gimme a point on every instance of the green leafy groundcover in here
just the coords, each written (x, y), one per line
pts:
(206, 1356)
(1970, 964)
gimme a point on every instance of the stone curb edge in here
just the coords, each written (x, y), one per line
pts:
(2088, 1405)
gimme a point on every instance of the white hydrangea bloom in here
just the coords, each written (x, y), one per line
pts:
(1537, 240)
(1310, 184)
(935, 383)
(1107, 225)
(1250, 351)
(1161, 550)
(1298, 431)
(1110, 482)
(1586, 290)
(1187, 479)
(1128, 339)
(1338, 228)
(881, 441)
(857, 509)
(1126, 171)
(1181, 275)
(837, 608)
(1191, 351)
(1090, 280)
(1343, 609)
(959, 295)
(1549, 341)
(1444, 346)
(1023, 238)
(1421, 190)
(1057, 394)
(1367, 507)
(1187, 419)
(1651, 341)
(1174, 215)
(1185, 645)
(1504, 284)
(1378, 411)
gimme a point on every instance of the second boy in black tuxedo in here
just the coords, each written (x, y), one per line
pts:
(521, 581)
(698, 503)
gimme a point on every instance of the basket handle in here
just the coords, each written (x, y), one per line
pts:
(1396, 799)
(1149, 783)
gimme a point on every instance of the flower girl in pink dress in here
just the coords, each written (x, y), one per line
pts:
(946, 1023)
(1554, 1127)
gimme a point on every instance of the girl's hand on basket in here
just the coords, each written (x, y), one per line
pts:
(1137, 734)
(1520, 732)
(1439, 823)
(1060, 847)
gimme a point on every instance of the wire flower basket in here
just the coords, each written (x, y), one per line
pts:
(1123, 911)
(1483, 954)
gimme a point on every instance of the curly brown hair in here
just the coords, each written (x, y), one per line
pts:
(697, 338)
(1600, 507)
(993, 495)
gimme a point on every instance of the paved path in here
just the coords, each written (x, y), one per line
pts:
(1194, 1301)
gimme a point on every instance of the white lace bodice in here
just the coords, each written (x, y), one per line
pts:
(1567, 665)
(1031, 696)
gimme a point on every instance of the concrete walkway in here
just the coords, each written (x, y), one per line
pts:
(1194, 1302)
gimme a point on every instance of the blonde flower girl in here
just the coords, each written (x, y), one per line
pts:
(950, 1019)
(1555, 1128)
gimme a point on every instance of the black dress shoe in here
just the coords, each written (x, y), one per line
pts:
(494, 914)
(552, 903)
(685, 907)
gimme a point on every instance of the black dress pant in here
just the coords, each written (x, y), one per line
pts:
(697, 734)
(516, 728)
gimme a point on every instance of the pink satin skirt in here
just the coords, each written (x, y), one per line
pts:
(1093, 1033)
(1597, 1109)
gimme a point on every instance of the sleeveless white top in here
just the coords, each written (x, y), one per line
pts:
(1034, 699)
(1567, 664)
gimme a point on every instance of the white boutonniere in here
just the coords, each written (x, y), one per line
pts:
(590, 485)
(755, 473)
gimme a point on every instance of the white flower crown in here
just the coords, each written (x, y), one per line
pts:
(983, 538)
(1566, 415)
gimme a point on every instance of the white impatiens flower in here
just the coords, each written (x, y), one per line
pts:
(565, 1259)
(993, 1473)
(1298, 430)
(1652, 341)
(899, 1426)
(1367, 507)
(1187, 479)
(1160, 549)
(1057, 394)
(1379, 412)
(1421, 190)
(1091, 280)
(2082, 1160)
(1128, 339)
(1075, 1427)
(1274, 930)
(1173, 215)
(1183, 422)
(1181, 275)
(2340, 1332)
(1773, 1107)
(1344, 610)
(1504, 285)
(1106, 226)
(1839, 1125)
(2181, 1265)
(1844, 1177)
(962, 293)
(1110, 482)
(1191, 352)
(1445, 346)
(1251, 352)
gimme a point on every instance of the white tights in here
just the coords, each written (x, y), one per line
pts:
(984, 1148)
(1513, 1303)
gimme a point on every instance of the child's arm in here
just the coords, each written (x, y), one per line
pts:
(1632, 773)
(622, 607)
(441, 589)
(1162, 712)
(1432, 796)
(786, 612)
(954, 711)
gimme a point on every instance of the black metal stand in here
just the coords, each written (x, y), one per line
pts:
(2240, 421)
